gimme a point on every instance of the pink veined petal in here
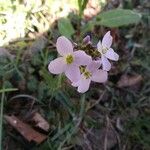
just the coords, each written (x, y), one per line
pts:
(57, 66)
(112, 55)
(81, 58)
(76, 84)
(94, 65)
(107, 40)
(100, 76)
(99, 46)
(106, 65)
(73, 73)
(83, 85)
(64, 46)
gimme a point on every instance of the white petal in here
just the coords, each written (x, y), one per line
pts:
(94, 65)
(112, 55)
(64, 46)
(81, 58)
(83, 85)
(100, 76)
(106, 65)
(73, 73)
(57, 66)
(75, 84)
(107, 40)
(99, 46)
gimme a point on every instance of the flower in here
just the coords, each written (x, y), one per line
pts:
(87, 40)
(90, 73)
(106, 51)
(69, 61)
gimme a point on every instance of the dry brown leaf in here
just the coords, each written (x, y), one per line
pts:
(25, 130)
(128, 81)
(40, 121)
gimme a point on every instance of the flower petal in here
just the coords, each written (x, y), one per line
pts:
(94, 65)
(112, 55)
(73, 73)
(106, 65)
(100, 76)
(83, 85)
(99, 46)
(57, 66)
(64, 46)
(81, 58)
(75, 84)
(107, 40)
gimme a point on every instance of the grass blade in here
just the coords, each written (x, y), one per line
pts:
(8, 90)
(1, 117)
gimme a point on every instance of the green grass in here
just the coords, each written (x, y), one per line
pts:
(3, 91)
(1, 119)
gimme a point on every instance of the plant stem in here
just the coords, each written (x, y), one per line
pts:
(1, 118)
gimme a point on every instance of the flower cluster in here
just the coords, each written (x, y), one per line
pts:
(82, 64)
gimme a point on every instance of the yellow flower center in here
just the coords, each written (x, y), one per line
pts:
(87, 74)
(82, 69)
(69, 59)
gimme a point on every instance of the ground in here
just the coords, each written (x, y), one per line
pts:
(43, 111)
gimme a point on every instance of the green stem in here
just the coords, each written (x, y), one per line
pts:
(8, 90)
(59, 81)
(1, 118)
(82, 109)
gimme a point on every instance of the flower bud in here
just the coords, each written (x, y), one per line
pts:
(87, 40)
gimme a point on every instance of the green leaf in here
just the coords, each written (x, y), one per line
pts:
(65, 27)
(65, 101)
(118, 17)
(87, 27)
(82, 4)
(54, 83)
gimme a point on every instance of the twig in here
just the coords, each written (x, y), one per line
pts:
(118, 139)
(106, 135)
(25, 96)
(98, 101)
(87, 142)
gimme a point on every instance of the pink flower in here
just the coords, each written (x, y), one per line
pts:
(70, 61)
(90, 73)
(106, 51)
(87, 40)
